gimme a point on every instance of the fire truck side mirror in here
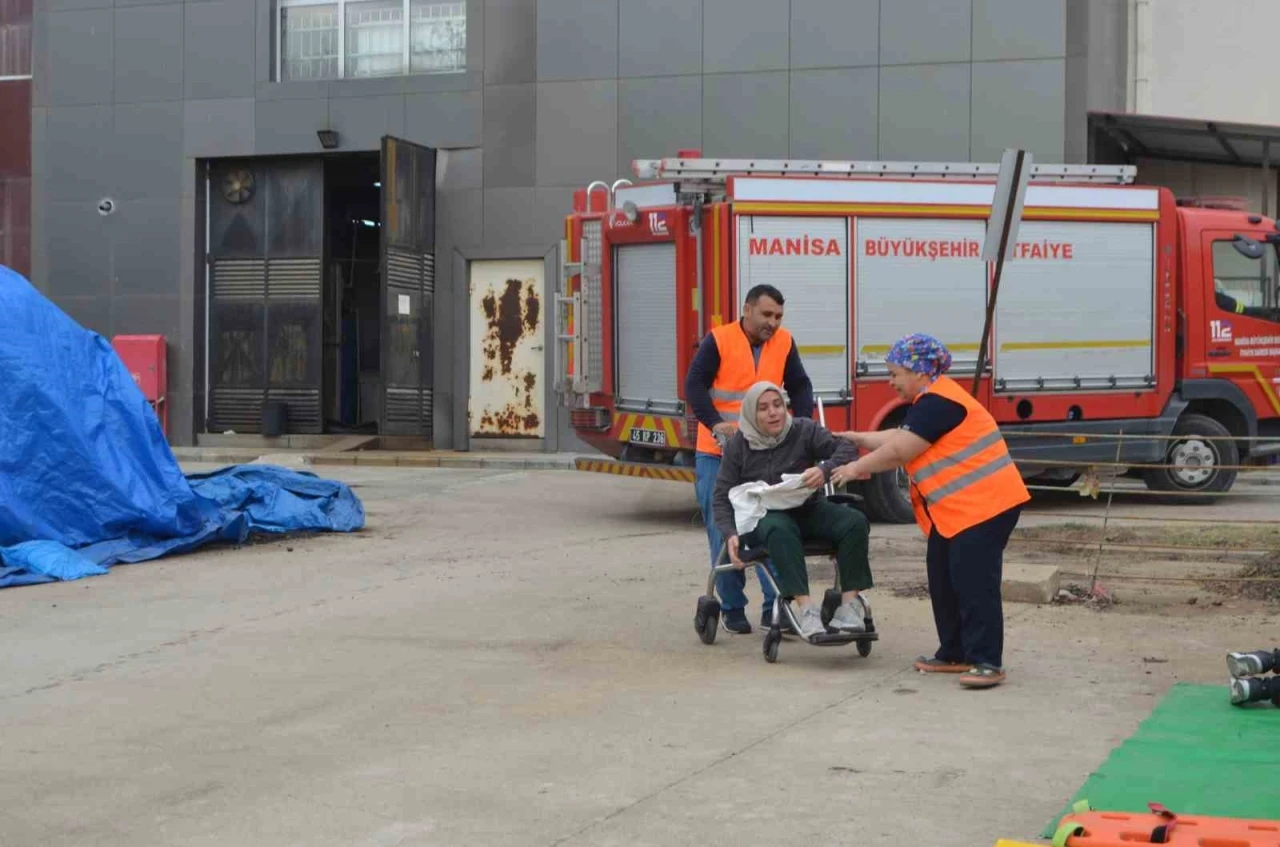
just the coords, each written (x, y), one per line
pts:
(1247, 247)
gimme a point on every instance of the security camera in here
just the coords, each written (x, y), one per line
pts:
(106, 206)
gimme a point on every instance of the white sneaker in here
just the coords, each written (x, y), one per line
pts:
(810, 620)
(851, 616)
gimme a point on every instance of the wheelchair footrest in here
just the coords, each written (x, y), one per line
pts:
(831, 639)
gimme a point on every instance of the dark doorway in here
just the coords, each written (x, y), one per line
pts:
(352, 305)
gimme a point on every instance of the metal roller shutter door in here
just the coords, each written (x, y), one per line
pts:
(1081, 319)
(900, 294)
(779, 251)
(646, 326)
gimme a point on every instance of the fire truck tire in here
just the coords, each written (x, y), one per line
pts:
(887, 497)
(1200, 457)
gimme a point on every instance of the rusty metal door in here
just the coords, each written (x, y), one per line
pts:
(508, 359)
(408, 286)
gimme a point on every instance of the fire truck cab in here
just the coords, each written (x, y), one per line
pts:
(1122, 312)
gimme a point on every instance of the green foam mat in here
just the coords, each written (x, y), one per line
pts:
(1196, 754)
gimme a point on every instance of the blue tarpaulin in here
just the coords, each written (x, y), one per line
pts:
(87, 479)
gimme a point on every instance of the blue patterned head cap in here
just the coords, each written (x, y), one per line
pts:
(920, 353)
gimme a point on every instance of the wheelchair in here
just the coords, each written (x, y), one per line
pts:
(707, 618)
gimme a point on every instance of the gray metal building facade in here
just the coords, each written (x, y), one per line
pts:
(132, 98)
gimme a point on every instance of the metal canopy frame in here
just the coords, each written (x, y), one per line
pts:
(1190, 140)
(1155, 137)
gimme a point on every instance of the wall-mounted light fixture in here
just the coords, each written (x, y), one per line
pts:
(328, 138)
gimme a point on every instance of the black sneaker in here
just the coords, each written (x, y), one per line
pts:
(735, 621)
(766, 620)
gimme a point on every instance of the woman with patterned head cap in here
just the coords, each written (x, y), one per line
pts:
(966, 494)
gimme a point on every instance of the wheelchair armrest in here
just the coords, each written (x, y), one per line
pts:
(758, 554)
(849, 500)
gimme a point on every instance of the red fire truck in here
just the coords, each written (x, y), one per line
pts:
(1123, 310)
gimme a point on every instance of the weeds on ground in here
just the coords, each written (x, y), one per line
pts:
(1258, 580)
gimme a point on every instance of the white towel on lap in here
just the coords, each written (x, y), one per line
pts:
(752, 500)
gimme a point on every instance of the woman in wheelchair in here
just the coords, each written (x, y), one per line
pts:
(768, 444)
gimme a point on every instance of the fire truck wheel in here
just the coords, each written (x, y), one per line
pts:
(888, 497)
(1201, 458)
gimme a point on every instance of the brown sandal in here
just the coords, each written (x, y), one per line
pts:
(982, 676)
(931, 664)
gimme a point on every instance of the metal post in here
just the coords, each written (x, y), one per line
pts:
(208, 291)
(1106, 518)
(995, 282)
(406, 33)
(701, 297)
(1266, 179)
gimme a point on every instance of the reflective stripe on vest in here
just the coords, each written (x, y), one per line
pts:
(738, 371)
(960, 483)
(967, 476)
(938, 466)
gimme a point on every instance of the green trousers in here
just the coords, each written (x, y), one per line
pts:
(783, 534)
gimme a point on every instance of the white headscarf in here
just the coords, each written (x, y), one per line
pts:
(756, 439)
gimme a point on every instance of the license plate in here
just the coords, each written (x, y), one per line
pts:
(648, 436)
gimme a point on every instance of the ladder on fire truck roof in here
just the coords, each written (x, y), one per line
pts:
(714, 171)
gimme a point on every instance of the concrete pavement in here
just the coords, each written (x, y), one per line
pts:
(507, 657)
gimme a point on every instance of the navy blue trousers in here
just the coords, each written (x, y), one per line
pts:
(964, 584)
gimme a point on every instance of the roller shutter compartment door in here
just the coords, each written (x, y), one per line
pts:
(645, 306)
(920, 275)
(807, 259)
(1076, 308)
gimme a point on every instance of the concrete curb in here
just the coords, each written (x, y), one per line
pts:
(493, 461)
(1024, 583)
(385, 459)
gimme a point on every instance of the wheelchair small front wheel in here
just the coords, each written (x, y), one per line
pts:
(706, 621)
(864, 649)
(772, 639)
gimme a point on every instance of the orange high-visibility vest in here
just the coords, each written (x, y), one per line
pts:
(967, 476)
(738, 372)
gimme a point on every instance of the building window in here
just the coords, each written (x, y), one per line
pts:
(15, 39)
(354, 39)
(437, 37)
(309, 42)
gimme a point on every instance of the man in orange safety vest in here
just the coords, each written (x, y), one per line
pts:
(732, 358)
